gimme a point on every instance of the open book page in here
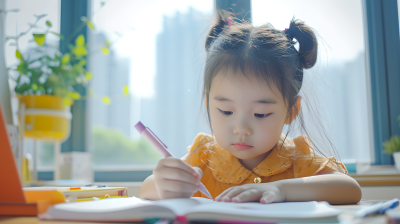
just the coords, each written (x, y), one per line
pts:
(253, 211)
(136, 209)
(181, 206)
(130, 208)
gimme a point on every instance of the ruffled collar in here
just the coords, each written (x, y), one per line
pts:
(228, 169)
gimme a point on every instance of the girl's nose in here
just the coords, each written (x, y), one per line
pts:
(242, 129)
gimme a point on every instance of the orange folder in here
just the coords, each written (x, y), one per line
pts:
(13, 200)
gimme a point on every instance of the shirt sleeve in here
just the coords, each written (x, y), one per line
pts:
(307, 163)
(198, 152)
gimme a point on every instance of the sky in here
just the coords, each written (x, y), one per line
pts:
(338, 23)
(139, 22)
(18, 22)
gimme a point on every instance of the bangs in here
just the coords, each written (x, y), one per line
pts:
(264, 72)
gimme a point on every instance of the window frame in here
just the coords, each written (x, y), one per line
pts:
(382, 53)
(382, 50)
(71, 13)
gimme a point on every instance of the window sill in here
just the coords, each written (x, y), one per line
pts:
(378, 176)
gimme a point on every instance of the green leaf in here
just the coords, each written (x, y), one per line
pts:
(74, 95)
(126, 90)
(67, 101)
(106, 100)
(53, 78)
(65, 59)
(393, 145)
(80, 40)
(60, 91)
(59, 35)
(82, 62)
(34, 87)
(18, 54)
(48, 23)
(39, 38)
(90, 25)
(80, 51)
(88, 75)
(104, 50)
(40, 16)
(21, 89)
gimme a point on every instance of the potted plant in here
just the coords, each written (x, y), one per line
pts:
(393, 147)
(46, 80)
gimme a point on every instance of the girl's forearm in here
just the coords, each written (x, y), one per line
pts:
(333, 188)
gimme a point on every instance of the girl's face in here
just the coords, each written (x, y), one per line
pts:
(247, 115)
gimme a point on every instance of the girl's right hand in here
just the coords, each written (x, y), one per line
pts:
(176, 179)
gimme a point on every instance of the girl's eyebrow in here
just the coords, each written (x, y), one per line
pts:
(222, 99)
(266, 101)
(263, 101)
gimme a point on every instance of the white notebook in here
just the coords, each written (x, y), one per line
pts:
(193, 209)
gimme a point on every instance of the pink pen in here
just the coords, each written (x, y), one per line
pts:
(163, 149)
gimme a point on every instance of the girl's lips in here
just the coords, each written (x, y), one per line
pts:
(241, 146)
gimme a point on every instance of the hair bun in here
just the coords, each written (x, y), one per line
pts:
(308, 45)
(218, 27)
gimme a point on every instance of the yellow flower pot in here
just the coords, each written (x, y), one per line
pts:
(47, 117)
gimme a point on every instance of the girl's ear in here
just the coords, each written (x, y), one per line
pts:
(295, 110)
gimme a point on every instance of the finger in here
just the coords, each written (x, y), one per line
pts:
(233, 193)
(177, 186)
(170, 194)
(199, 172)
(268, 197)
(176, 175)
(248, 195)
(219, 197)
(179, 164)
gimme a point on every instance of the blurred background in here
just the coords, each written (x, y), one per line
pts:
(146, 60)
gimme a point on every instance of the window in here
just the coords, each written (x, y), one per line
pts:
(338, 82)
(17, 22)
(150, 71)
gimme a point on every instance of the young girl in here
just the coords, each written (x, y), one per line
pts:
(251, 83)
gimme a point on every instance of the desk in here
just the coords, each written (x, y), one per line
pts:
(377, 219)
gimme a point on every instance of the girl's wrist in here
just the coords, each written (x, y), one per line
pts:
(279, 188)
(282, 189)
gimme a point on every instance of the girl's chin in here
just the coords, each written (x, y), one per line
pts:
(245, 154)
(248, 154)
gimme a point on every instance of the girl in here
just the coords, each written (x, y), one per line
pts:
(251, 83)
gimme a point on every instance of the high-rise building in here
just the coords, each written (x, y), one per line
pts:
(174, 111)
(110, 74)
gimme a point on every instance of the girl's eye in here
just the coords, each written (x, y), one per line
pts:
(262, 115)
(226, 113)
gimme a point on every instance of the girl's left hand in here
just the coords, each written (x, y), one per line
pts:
(263, 192)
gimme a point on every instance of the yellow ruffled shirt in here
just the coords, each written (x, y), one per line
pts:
(222, 170)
